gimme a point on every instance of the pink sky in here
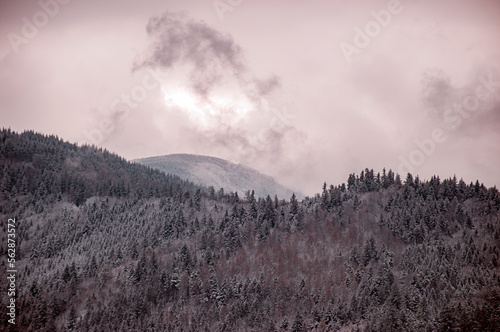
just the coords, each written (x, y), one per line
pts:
(270, 84)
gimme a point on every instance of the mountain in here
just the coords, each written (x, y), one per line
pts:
(219, 173)
(98, 243)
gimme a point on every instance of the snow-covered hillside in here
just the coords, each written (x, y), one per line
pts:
(219, 173)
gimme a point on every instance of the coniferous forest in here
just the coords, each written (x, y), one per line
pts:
(103, 244)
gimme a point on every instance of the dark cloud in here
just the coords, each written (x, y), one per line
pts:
(215, 61)
(214, 58)
(267, 86)
(179, 40)
(471, 109)
(484, 122)
(436, 90)
(178, 34)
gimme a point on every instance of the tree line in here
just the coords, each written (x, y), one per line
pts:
(104, 244)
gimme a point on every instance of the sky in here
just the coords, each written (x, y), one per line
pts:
(307, 92)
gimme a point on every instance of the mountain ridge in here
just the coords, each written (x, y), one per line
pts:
(219, 173)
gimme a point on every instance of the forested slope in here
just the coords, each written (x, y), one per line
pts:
(218, 173)
(105, 245)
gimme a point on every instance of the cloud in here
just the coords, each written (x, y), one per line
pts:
(212, 65)
(213, 58)
(265, 87)
(179, 40)
(463, 110)
(436, 91)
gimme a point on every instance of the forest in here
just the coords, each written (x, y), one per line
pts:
(103, 244)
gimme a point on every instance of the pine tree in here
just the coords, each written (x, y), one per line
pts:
(294, 206)
(298, 324)
(71, 320)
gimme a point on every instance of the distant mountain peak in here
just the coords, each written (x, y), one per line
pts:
(219, 173)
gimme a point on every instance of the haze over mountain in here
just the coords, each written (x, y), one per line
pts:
(201, 77)
(219, 173)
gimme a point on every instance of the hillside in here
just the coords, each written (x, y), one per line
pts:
(107, 245)
(219, 173)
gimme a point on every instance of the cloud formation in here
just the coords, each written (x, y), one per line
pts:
(213, 67)
(223, 85)
(469, 109)
(179, 40)
(436, 90)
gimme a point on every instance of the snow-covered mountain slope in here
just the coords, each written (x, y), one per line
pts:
(219, 173)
